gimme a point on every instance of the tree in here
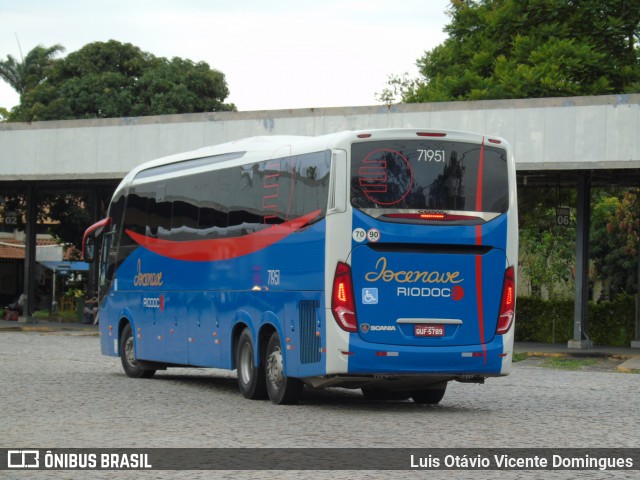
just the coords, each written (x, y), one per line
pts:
(614, 239)
(540, 48)
(112, 79)
(66, 215)
(547, 251)
(499, 49)
(32, 70)
(625, 221)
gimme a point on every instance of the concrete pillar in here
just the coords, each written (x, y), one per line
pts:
(581, 304)
(29, 286)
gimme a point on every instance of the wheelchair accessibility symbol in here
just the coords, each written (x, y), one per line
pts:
(370, 296)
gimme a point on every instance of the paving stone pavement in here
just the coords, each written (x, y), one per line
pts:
(56, 391)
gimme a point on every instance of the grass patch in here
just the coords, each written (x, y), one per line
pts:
(67, 316)
(565, 363)
(518, 357)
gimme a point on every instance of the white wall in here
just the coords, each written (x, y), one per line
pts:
(547, 134)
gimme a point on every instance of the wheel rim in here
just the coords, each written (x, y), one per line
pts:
(246, 363)
(274, 368)
(128, 351)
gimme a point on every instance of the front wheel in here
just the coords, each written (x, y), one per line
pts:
(282, 389)
(128, 357)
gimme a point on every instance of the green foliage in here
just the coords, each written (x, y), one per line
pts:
(520, 356)
(539, 48)
(564, 363)
(538, 320)
(66, 214)
(32, 70)
(112, 79)
(71, 216)
(625, 221)
(610, 323)
(614, 227)
(547, 251)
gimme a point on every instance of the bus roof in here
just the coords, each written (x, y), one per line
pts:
(258, 148)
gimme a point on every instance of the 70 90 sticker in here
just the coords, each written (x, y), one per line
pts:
(373, 235)
(360, 235)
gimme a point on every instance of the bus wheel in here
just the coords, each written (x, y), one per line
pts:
(282, 389)
(128, 358)
(430, 396)
(372, 393)
(250, 378)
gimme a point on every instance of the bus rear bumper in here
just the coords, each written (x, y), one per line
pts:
(484, 360)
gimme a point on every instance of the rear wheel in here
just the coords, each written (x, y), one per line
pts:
(282, 389)
(430, 396)
(250, 377)
(128, 356)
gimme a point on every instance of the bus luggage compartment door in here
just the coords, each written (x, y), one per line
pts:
(427, 295)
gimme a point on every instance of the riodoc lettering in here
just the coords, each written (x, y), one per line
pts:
(423, 292)
(147, 279)
(385, 274)
(151, 302)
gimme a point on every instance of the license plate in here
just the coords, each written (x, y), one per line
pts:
(421, 330)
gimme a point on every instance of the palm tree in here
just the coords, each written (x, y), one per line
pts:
(23, 76)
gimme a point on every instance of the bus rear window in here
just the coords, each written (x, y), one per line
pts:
(430, 174)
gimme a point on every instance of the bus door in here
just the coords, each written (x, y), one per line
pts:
(201, 315)
(176, 327)
(429, 240)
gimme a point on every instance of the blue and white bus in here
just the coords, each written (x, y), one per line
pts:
(382, 260)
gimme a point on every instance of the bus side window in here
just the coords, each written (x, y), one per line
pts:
(104, 257)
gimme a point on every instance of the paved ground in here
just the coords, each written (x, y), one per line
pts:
(625, 360)
(56, 390)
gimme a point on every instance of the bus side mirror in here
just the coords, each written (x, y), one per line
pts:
(89, 249)
(89, 239)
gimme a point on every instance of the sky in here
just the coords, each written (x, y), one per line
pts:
(275, 54)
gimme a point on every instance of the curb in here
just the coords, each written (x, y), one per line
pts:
(630, 366)
(583, 354)
(50, 328)
(631, 363)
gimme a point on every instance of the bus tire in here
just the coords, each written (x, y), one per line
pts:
(251, 379)
(128, 358)
(282, 390)
(430, 396)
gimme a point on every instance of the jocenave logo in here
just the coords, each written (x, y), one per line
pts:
(385, 274)
(147, 279)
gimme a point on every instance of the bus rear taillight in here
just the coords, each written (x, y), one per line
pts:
(431, 134)
(434, 216)
(508, 302)
(343, 304)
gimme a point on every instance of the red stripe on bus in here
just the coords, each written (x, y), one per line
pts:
(480, 304)
(222, 248)
(480, 174)
(478, 257)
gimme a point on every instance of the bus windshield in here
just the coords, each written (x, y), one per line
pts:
(429, 174)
